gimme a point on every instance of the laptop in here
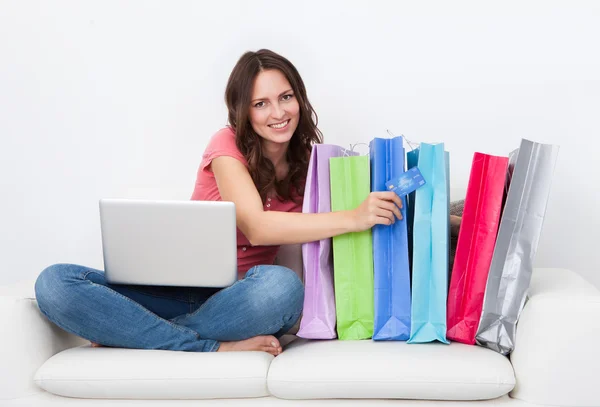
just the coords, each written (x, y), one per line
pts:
(169, 243)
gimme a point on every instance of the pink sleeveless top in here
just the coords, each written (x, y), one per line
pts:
(223, 144)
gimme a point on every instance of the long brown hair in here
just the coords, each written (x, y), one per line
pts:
(238, 96)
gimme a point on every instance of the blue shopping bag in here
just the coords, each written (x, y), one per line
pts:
(412, 159)
(430, 248)
(390, 249)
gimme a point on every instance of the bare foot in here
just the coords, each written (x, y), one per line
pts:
(266, 343)
(96, 345)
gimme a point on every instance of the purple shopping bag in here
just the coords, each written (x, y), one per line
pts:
(318, 319)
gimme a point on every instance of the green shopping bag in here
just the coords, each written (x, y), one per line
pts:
(352, 252)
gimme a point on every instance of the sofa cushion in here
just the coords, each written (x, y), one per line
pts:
(392, 370)
(88, 372)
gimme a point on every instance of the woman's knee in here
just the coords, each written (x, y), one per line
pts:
(281, 289)
(52, 284)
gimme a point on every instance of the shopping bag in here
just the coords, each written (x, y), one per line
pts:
(318, 318)
(412, 159)
(352, 252)
(530, 175)
(390, 249)
(475, 247)
(430, 248)
(448, 231)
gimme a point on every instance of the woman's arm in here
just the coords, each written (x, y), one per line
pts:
(275, 228)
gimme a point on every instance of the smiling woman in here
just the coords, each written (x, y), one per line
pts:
(268, 105)
(260, 163)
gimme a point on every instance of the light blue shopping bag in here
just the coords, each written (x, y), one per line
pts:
(430, 248)
(390, 249)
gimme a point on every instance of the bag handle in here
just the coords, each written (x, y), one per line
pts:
(407, 140)
(352, 146)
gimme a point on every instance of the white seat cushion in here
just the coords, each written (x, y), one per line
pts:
(88, 372)
(392, 370)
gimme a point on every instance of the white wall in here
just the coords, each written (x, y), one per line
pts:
(118, 99)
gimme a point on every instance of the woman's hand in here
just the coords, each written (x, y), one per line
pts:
(455, 224)
(380, 208)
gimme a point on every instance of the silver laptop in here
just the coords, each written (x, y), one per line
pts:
(170, 243)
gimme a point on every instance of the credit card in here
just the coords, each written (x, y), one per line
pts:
(408, 182)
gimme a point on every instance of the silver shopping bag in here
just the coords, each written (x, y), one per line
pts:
(528, 179)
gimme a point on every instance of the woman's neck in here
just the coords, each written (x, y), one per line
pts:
(276, 152)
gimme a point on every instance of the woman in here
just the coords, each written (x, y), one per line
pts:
(259, 162)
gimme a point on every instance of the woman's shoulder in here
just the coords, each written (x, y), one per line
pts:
(222, 143)
(223, 137)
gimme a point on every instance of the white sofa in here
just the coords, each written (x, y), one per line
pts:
(556, 362)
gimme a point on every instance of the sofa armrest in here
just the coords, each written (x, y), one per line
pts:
(556, 355)
(27, 340)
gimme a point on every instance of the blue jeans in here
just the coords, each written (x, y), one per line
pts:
(267, 301)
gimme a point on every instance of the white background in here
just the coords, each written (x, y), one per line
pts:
(119, 98)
